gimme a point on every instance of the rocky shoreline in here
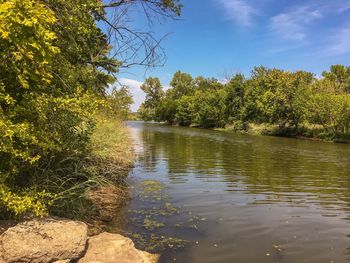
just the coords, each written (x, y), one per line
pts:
(62, 241)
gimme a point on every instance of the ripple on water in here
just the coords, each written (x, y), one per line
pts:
(239, 198)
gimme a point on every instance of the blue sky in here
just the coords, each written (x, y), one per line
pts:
(218, 36)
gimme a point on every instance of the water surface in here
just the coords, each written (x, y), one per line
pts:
(207, 196)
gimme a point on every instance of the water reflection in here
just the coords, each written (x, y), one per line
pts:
(266, 199)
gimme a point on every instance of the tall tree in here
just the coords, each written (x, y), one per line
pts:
(340, 76)
(182, 84)
(154, 93)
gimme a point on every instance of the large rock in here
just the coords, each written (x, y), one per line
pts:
(114, 248)
(41, 241)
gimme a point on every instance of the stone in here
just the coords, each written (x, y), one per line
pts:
(41, 241)
(112, 248)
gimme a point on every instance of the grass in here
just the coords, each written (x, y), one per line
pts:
(111, 140)
(86, 183)
(91, 188)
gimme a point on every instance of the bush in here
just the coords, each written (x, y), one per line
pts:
(29, 203)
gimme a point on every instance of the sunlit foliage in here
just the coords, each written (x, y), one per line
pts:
(55, 72)
(291, 103)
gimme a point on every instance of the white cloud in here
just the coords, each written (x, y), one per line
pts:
(137, 93)
(239, 10)
(292, 25)
(132, 83)
(340, 42)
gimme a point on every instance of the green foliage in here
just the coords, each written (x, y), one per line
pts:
(234, 99)
(33, 202)
(273, 101)
(182, 84)
(339, 75)
(154, 93)
(206, 115)
(167, 108)
(56, 68)
(119, 102)
(273, 96)
(329, 108)
(26, 46)
(185, 111)
(46, 108)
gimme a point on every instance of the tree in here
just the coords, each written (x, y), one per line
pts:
(154, 93)
(340, 76)
(209, 108)
(132, 46)
(57, 65)
(185, 111)
(273, 96)
(234, 97)
(182, 84)
(329, 108)
(119, 102)
(167, 108)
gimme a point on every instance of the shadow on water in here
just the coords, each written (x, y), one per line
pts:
(209, 196)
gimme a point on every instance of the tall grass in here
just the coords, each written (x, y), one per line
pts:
(75, 178)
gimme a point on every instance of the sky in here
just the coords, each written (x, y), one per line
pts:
(216, 37)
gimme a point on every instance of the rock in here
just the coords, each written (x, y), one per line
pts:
(61, 261)
(41, 241)
(112, 248)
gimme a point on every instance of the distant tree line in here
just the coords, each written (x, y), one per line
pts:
(276, 101)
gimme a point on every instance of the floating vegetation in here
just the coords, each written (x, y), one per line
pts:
(277, 247)
(156, 243)
(197, 219)
(166, 210)
(152, 190)
(150, 231)
(152, 224)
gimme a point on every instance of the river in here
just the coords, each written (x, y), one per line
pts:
(203, 196)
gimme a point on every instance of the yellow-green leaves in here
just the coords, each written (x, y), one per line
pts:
(26, 41)
(53, 76)
(29, 203)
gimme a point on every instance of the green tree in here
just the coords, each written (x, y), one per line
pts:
(235, 98)
(340, 76)
(274, 96)
(154, 93)
(119, 102)
(57, 65)
(167, 107)
(329, 108)
(209, 108)
(182, 84)
(185, 111)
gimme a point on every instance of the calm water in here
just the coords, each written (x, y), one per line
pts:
(209, 196)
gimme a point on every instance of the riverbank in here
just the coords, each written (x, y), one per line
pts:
(79, 232)
(102, 191)
(112, 149)
(305, 132)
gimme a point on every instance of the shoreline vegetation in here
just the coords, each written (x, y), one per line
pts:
(101, 189)
(313, 133)
(60, 107)
(270, 101)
